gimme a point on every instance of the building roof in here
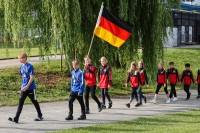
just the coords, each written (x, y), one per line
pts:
(187, 7)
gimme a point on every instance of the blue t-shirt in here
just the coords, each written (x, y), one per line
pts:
(77, 82)
(25, 72)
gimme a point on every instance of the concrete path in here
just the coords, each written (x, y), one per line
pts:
(33, 60)
(55, 113)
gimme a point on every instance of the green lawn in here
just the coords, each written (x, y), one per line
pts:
(54, 85)
(13, 52)
(182, 56)
(182, 122)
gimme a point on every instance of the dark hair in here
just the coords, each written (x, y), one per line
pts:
(187, 65)
(171, 63)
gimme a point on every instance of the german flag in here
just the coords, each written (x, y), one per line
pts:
(111, 28)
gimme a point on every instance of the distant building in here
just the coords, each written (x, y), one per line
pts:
(186, 25)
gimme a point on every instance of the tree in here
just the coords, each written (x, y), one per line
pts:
(70, 24)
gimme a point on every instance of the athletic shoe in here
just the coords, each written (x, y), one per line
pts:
(100, 107)
(138, 104)
(153, 101)
(110, 105)
(69, 117)
(198, 97)
(87, 111)
(13, 119)
(175, 99)
(39, 118)
(128, 105)
(188, 97)
(168, 100)
(145, 100)
(82, 117)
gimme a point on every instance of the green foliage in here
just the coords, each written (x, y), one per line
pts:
(67, 26)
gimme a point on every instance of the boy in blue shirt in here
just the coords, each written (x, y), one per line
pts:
(28, 88)
(77, 89)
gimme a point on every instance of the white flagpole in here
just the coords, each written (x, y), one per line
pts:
(98, 21)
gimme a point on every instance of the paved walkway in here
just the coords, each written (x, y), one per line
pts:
(185, 46)
(55, 113)
(33, 60)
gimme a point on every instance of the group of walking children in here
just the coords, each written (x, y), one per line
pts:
(137, 76)
(173, 77)
(104, 75)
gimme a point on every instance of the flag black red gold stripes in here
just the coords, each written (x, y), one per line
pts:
(111, 28)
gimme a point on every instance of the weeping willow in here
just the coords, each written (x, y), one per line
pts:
(67, 26)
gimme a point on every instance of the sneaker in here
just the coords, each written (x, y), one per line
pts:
(82, 117)
(87, 111)
(137, 105)
(39, 118)
(100, 107)
(103, 106)
(175, 99)
(13, 119)
(110, 105)
(168, 100)
(153, 101)
(198, 97)
(145, 100)
(188, 97)
(128, 105)
(69, 118)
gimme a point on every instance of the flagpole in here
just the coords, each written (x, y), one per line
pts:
(92, 40)
(91, 44)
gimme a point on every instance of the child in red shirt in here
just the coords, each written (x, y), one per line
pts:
(90, 79)
(144, 79)
(161, 81)
(172, 74)
(198, 81)
(105, 80)
(134, 79)
(187, 76)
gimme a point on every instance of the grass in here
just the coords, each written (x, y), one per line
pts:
(182, 122)
(11, 52)
(54, 85)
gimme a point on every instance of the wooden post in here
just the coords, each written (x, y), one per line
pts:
(61, 53)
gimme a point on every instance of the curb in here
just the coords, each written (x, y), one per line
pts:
(28, 57)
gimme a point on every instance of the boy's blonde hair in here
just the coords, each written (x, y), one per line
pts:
(22, 55)
(76, 62)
